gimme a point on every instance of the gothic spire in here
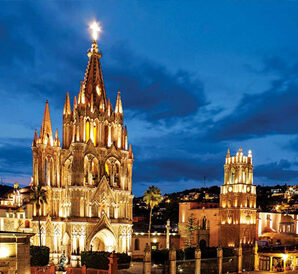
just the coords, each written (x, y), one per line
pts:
(93, 81)
(130, 154)
(35, 138)
(67, 108)
(118, 108)
(46, 128)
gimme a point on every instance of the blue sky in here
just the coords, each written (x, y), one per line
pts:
(196, 77)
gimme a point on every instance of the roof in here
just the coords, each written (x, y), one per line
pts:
(286, 219)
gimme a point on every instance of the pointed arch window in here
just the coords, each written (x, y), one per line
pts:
(87, 131)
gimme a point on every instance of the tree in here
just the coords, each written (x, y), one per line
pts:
(38, 197)
(152, 197)
(190, 227)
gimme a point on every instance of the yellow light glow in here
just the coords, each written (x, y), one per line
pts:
(107, 169)
(94, 135)
(95, 30)
(4, 252)
(87, 131)
(284, 257)
(98, 90)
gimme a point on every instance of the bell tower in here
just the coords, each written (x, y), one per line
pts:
(237, 201)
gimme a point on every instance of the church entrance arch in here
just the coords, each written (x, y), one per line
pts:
(103, 240)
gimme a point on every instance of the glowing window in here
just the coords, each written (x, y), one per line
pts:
(107, 168)
(87, 131)
(94, 135)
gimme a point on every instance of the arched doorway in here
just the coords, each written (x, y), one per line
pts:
(103, 240)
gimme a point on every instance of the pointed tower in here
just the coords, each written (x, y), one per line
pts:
(89, 180)
(46, 134)
(67, 108)
(46, 151)
(118, 107)
(238, 201)
(93, 81)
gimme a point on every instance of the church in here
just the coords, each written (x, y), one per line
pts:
(87, 176)
(235, 220)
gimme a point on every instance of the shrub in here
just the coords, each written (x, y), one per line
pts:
(95, 259)
(39, 255)
(123, 258)
(100, 259)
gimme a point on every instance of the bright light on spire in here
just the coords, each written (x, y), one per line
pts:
(95, 30)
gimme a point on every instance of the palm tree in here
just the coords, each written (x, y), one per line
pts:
(38, 197)
(152, 197)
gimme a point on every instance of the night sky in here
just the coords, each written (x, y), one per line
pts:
(195, 78)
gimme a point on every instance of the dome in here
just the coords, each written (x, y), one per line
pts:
(286, 219)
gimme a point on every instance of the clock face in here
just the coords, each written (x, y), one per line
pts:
(248, 189)
(230, 189)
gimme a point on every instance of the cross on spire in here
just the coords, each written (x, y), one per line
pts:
(95, 30)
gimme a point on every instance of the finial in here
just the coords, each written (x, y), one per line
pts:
(130, 154)
(240, 149)
(95, 30)
(228, 153)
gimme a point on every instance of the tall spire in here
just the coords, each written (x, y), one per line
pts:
(46, 127)
(118, 108)
(93, 81)
(67, 108)
(35, 138)
(130, 154)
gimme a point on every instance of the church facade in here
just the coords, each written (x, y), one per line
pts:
(237, 203)
(88, 180)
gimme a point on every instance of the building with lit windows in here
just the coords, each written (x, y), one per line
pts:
(88, 180)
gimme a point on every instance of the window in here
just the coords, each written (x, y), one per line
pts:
(87, 131)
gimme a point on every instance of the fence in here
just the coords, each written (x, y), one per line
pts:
(235, 261)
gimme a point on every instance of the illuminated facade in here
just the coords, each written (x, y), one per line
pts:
(233, 221)
(89, 179)
(237, 201)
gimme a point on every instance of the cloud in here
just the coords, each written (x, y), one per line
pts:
(279, 171)
(274, 111)
(150, 88)
(165, 169)
(15, 157)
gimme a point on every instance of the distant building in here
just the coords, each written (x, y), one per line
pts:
(16, 210)
(15, 252)
(235, 219)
